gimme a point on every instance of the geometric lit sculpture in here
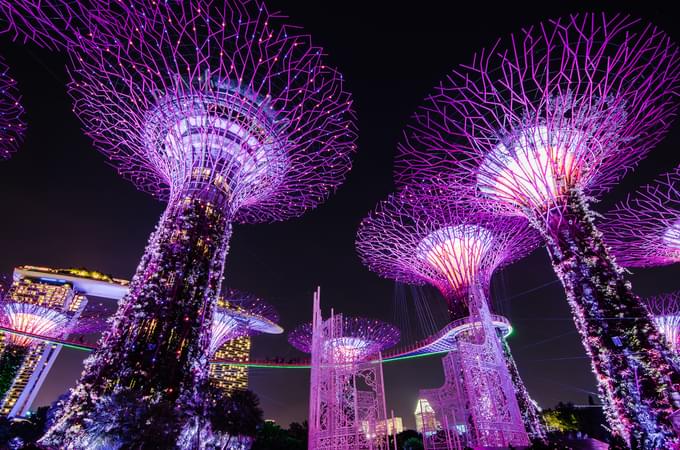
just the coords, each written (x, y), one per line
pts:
(238, 315)
(665, 308)
(417, 237)
(229, 116)
(644, 230)
(12, 126)
(535, 126)
(347, 395)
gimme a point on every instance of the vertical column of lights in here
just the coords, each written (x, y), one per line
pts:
(577, 102)
(227, 114)
(238, 316)
(344, 349)
(12, 125)
(644, 230)
(418, 237)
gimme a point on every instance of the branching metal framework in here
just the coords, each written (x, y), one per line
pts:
(347, 396)
(418, 236)
(665, 309)
(12, 125)
(240, 314)
(229, 115)
(531, 127)
(644, 230)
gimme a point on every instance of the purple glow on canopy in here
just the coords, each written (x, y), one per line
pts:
(573, 103)
(666, 311)
(358, 340)
(453, 245)
(12, 125)
(241, 314)
(644, 230)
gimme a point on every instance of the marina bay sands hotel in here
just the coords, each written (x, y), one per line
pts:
(70, 290)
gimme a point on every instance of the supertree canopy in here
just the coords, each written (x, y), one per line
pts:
(12, 126)
(358, 340)
(415, 237)
(240, 314)
(228, 115)
(644, 230)
(34, 319)
(665, 309)
(557, 112)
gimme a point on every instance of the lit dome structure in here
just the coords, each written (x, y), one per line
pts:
(644, 230)
(240, 314)
(358, 340)
(665, 309)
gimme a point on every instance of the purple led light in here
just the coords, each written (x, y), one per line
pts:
(644, 230)
(12, 125)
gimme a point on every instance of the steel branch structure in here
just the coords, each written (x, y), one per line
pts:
(665, 309)
(239, 314)
(230, 116)
(644, 230)
(12, 125)
(347, 408)
(418, 236)
(532, 126)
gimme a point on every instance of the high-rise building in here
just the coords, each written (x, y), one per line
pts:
(60, 289)
(426, 418)
(229, 377)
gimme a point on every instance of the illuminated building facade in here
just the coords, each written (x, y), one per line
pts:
(229, 377)
(426, 419)
(61, 290)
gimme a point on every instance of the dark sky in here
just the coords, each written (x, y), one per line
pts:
(62, 206)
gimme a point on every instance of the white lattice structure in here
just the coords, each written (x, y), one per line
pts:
(476, 406)
(347, 408)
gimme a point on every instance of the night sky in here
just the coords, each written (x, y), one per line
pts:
(62, 206)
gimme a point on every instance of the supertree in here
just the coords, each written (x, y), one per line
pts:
(239, 314)
(418, 236)
(347, 395)
(230, 116)
(537, 125)
(12, 125)
(665, 309)
(644, 230)
(34, 319)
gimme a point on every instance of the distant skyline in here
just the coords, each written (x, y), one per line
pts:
(63, 206)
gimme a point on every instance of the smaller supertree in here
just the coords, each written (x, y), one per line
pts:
(347, 397)
(12, 125)
(358, 340)
(33, 319)
(665, 310)
(240, 314)
(644, 230)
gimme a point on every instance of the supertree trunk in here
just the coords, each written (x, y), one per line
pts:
(635, 370)
(142, 387)
(11, 359)
(530, 415)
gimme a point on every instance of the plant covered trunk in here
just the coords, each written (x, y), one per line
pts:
(11, 359)
(144, 384)
(636, 372)
(527, 407)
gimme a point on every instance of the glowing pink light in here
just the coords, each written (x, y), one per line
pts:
(666, 311)
(12, 125)
(34, 319)
(644, 230)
